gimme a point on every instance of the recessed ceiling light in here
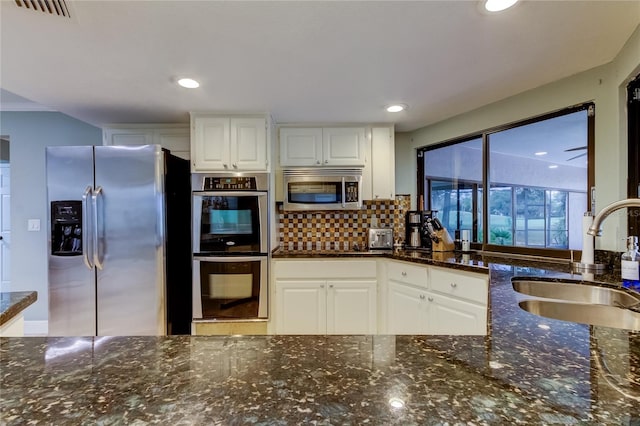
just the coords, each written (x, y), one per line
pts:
(396, 108)
(553, 166)
(189, 83)
(498, 5)
(541, 153)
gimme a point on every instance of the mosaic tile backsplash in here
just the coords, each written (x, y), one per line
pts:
(341, 230)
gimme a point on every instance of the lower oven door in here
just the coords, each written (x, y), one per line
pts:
(230, 287)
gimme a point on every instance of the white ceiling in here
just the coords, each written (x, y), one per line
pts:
(304, 61)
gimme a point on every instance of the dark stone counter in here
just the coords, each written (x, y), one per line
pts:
(528, 370)
(14, 302)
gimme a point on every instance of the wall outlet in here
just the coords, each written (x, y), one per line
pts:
(33, 225)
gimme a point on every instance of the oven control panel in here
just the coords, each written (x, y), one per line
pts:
(246, 183)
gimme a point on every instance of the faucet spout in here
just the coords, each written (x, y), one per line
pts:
(595, 229)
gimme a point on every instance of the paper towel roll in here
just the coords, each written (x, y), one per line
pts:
(587, 241)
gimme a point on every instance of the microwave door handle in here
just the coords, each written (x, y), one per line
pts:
(344, 202)
(86, 229)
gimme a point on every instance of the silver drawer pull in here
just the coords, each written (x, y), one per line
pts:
(431, 299)
(404, 274)
(454, 285)
(422, 296)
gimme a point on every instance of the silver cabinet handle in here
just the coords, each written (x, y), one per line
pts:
(317, 161)
(454, 285)
(235, 165)
(326, 161)
(404, 274)
(97, 258)
(85, 226)
(422, 296)
(321, 285)
(331, 286)
(431, 299)
(225, 166)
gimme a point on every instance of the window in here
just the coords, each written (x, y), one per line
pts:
(537, 176)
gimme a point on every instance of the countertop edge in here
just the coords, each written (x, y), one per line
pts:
(15, 302)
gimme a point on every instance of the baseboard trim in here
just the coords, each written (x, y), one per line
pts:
(36, 328)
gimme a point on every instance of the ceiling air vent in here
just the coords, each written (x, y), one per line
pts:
(53, 7)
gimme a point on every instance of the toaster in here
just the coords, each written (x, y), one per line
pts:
(380, 238)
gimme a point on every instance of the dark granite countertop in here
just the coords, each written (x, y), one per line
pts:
(528, 370)
(14, 302)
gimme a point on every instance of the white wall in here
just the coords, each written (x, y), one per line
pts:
(29, 133)
(605, 85)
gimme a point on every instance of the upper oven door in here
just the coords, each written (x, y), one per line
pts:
(230, 222)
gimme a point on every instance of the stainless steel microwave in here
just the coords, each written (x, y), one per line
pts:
(322, 189)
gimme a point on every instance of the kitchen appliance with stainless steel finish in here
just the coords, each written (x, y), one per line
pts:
(322, 189)
(380, 239)
(419, 229)
(118, 254)
(230, 246)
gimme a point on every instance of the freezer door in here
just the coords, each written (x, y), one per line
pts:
(130, 249)
(71, 277)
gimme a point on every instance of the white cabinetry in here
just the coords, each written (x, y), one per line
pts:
(329, 146)
(382, 163)
(432, 300)
(174, 137)
(228, 143)
(325, 297)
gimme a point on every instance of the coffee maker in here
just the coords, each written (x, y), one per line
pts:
(416, 228)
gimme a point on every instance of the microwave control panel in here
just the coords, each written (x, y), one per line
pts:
(246, 183)
(351, 192)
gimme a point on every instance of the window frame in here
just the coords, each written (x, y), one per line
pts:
(484, 135)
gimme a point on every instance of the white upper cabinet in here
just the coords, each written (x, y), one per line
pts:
(300, 147)
(174, 137)
(382, 163)
(228, 143)
(314, 147)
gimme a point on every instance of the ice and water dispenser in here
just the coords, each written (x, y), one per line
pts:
(66, 228)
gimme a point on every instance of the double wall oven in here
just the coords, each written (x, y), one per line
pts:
(230, 246)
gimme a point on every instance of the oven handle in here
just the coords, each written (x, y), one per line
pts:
(230, 258)
(229, 193)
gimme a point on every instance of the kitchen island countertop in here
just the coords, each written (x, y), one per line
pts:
(528, 370)
(14, 302)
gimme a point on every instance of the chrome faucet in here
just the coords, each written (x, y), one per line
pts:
(587, 262)
(595, 228)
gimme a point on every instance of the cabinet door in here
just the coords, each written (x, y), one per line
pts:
(248, 144)
(382, 163)
(351, 307)
(300, 147)
(302, 307)
(210, 144)
(406, 309)
(127, 137)
(343, 146)
(456, 317)
(175, 140)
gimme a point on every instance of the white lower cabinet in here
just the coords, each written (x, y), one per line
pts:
(406, 309)
(432, 300)
(325, 297)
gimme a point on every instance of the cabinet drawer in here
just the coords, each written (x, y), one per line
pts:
(407, 273)
(465, 285)
(325, 269)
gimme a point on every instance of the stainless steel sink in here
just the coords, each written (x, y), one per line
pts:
(576, 292)
(579, 302)
(592, 314)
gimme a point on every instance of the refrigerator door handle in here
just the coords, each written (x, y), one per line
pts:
(97, 255)
(85, 231)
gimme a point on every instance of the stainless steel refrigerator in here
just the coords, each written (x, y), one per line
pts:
(113, 211)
